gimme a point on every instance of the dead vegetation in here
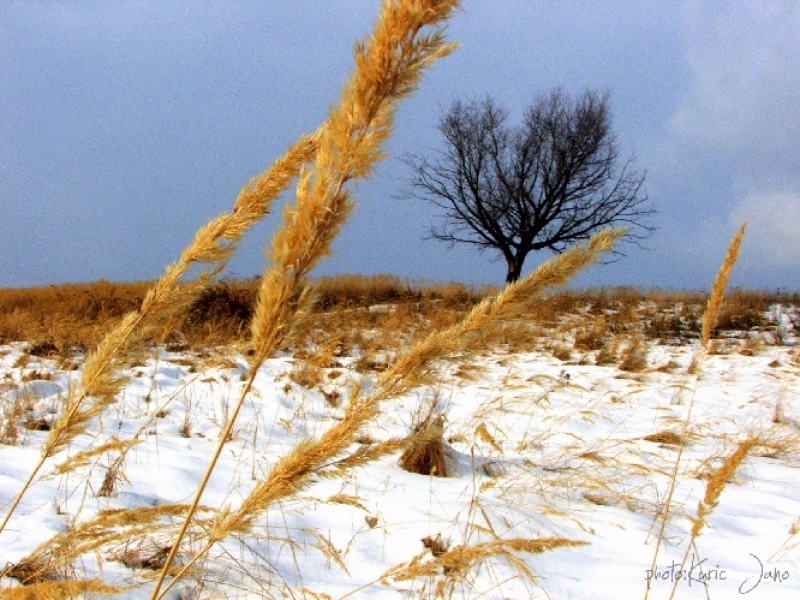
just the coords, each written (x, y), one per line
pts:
(368, 316)
(429, 457)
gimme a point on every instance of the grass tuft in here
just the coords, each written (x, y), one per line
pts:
(429, 457)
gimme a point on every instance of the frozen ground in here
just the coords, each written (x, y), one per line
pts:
(541, 448)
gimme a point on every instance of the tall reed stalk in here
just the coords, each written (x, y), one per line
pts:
(388, 67)
(709, 318)
(714, 487)
(711, 313)
(213, 245)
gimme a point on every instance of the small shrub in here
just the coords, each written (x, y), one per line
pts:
(224, 310)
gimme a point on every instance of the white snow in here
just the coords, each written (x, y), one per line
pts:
(568, 460)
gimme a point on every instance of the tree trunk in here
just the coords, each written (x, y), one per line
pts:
(514, 268)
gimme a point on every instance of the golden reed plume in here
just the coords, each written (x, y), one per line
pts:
(407, 39)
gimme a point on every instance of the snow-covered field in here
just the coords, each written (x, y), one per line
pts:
(541, 449)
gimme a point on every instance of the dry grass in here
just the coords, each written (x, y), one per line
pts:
(609, 353)
(594, 336)
(711, 315)
(388, 68)
(13, 412)
(327, 455)
(709, 319)
(634, 357)
(48, 572)
(60, 590)
(323, 354)
(450, 567)
(57, 318)
(60, 321)
(143, 555)
(669, 438)
(716, 484)
(429, 457)
(29, 572)
(717, 481)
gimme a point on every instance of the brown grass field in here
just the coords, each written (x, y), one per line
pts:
(72, 318)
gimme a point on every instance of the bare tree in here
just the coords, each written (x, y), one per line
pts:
(553, 181)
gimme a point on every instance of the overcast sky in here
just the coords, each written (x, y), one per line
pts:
(125, 125)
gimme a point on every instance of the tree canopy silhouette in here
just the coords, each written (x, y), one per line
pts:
(548, 183)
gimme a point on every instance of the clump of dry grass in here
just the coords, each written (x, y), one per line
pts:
(219, 314)
(561, 352)
(634, 357)
(145, 556)
(13, 412)
(608, 354)
(429, 457)
(28, 572)
(311, 363)
(306, 375)
(593, 337)
(115, 475)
